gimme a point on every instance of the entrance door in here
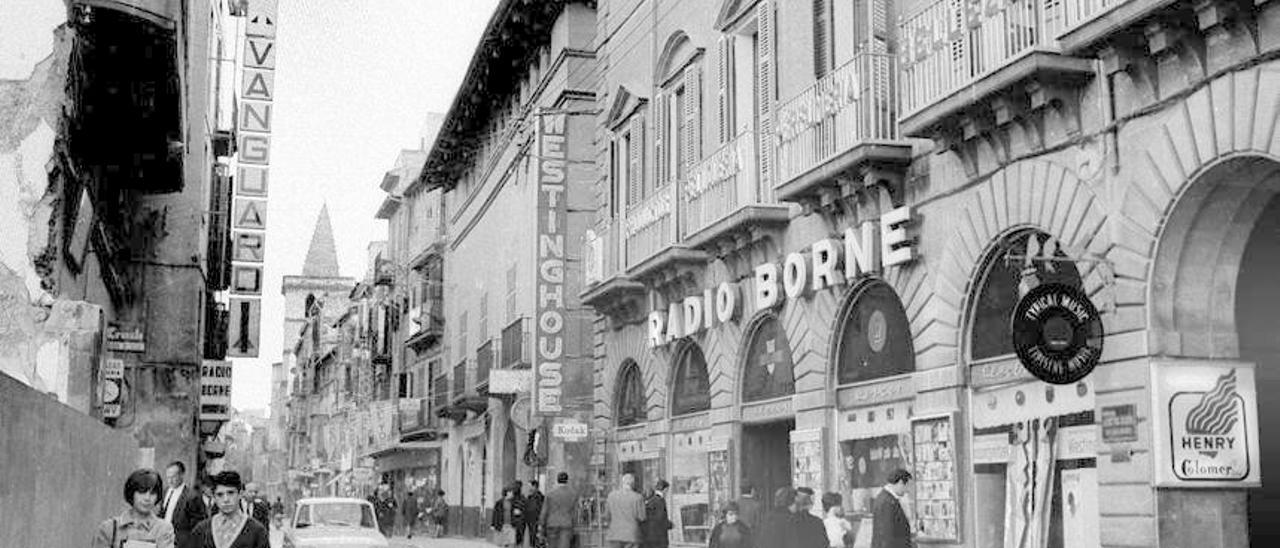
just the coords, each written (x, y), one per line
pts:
(1257, 299)
(766, 457)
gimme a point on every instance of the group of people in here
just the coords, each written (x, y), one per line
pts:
(523, 514)
(416, 508)
(637, 521)
(223, 513)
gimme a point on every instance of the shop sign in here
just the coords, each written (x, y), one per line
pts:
(510, 381)
(569, 430)
(244, 327)
(874, 247)
(876, 393)
(691, 422)
(215, 390)
(126, 339)
(550, 307)
(767, 411)
(112, 386)
(1119, 423)
(1207, 422)
(1057, 333)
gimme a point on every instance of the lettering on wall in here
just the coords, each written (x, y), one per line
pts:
(548, 362)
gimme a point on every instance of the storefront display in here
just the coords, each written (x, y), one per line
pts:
(865, 468)
(936, 502)
(719, 473)
(690, 490)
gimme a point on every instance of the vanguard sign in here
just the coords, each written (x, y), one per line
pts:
(873, 247)
(549, 336)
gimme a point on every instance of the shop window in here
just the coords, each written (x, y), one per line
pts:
(691, 391)
(631, 407)
(690, 496)
(875, 336)
(768, 369)
(865, 466)
(999, 293)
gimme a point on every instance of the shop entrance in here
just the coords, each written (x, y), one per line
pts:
(766, 458)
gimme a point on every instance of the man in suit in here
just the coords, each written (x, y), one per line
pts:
(230, 527)
(625, 510)
(889, 526)
(182, 505)
(809, 529)
(559, 513)
(653, 532)
(256, 506)
(533, 501)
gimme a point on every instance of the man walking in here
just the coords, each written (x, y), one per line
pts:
(653, 531)
(625, 510)
(749, 506)
(384, 506)
(182, 506)
(230, 527)
(559, 513)
(810, 532)
(778, 525)
(256, 506)
(890, 527)
(410, 513)
(533, 501)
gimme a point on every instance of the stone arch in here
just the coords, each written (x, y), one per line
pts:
(744, 353)
(627, 345)
(1030, 194)
(688, 354)
(677, 50)
(851, 298)
(628, 372)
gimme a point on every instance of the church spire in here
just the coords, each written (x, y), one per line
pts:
(322, 257)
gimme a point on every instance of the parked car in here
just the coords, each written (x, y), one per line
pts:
(334, 522)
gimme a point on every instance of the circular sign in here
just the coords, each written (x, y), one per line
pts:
(520, 412)
(1057, 333)
(877, 330)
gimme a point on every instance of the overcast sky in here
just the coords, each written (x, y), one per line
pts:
(354, 82)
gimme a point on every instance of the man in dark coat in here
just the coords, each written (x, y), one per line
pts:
(533, 500)
(778, 525)
(182, 506)
(384, 506)
(809, 530)
(653, 530)
(559, 513)
(749, 507)
(259, 509)
(230, 527)
(890, 526)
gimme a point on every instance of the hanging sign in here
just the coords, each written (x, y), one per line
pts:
(1057, 333)
(549, 330)
(1206, 424)
(243, 331)
(112, 386)
(215, 390)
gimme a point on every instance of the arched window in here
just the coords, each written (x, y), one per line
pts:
(768, 369)
(875, 336)
(630, 399)
(691, 389)
(989, 336)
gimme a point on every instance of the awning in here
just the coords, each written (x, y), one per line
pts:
(403, 446)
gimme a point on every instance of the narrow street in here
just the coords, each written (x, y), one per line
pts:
(277, 541)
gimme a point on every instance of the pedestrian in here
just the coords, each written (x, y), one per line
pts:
(206, 499)
(410, 512)
(533, 500)
(256, 506)
(439, 514)
(183, 506)
(731, 532)
(140, 523)
(506, 521)
(559, 514)
(810, 532)
(624, 509)
(653, 531)
(277, 511)
(749, 507)
(230, 527)
(890, 527)
(778, 525)
(839, 530)
(384, 507)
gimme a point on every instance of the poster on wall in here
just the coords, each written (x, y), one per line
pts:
(937, 504)
(690, 497)
(807, 459)
(1206, 424)
(865, 466)
(718, 476)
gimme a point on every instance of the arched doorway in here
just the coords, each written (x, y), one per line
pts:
(687, 444)
(1214, 295)
(767, 375)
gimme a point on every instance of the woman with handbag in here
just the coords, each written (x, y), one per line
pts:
(138, 526)
(508, 515)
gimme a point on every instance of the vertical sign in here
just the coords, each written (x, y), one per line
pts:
(215, 390)
(248, 222)
(112, 381)
(550, 307)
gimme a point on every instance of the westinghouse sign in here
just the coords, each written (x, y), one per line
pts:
(549, 326)
(1206, 419)
(871, 248)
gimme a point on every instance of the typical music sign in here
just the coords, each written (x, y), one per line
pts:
(1057, 333)
(215, 390)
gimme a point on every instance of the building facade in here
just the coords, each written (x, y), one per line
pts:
(815, 220)
(514, 172)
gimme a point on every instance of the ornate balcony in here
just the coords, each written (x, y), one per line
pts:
(653, 249)
(724, 203)
(608, 289)
(842, 128)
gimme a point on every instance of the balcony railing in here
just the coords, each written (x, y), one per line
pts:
(721, 183)
(950, 44)
(650, 226)
(484, 362)
(600, 254)
(851, 105)
(515, 345)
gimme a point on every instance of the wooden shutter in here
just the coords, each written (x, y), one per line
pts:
(724, 88)
(659, 134)
(692, 116)
(821, 38)
(767, 82)
(635, 158)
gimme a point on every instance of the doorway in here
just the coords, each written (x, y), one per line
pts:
(766, 457)
(1257, 299)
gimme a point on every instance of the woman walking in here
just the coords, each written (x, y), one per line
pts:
(508, 515)
(139, 522)
(730, 533)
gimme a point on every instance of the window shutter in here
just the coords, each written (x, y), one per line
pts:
(821, 38)
(765, 89)
(724, 75)
(635, 159)
(692, 116)
(659, 133)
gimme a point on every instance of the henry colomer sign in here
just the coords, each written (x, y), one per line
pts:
(550, 308)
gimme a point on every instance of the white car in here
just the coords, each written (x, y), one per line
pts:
(334, 522)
